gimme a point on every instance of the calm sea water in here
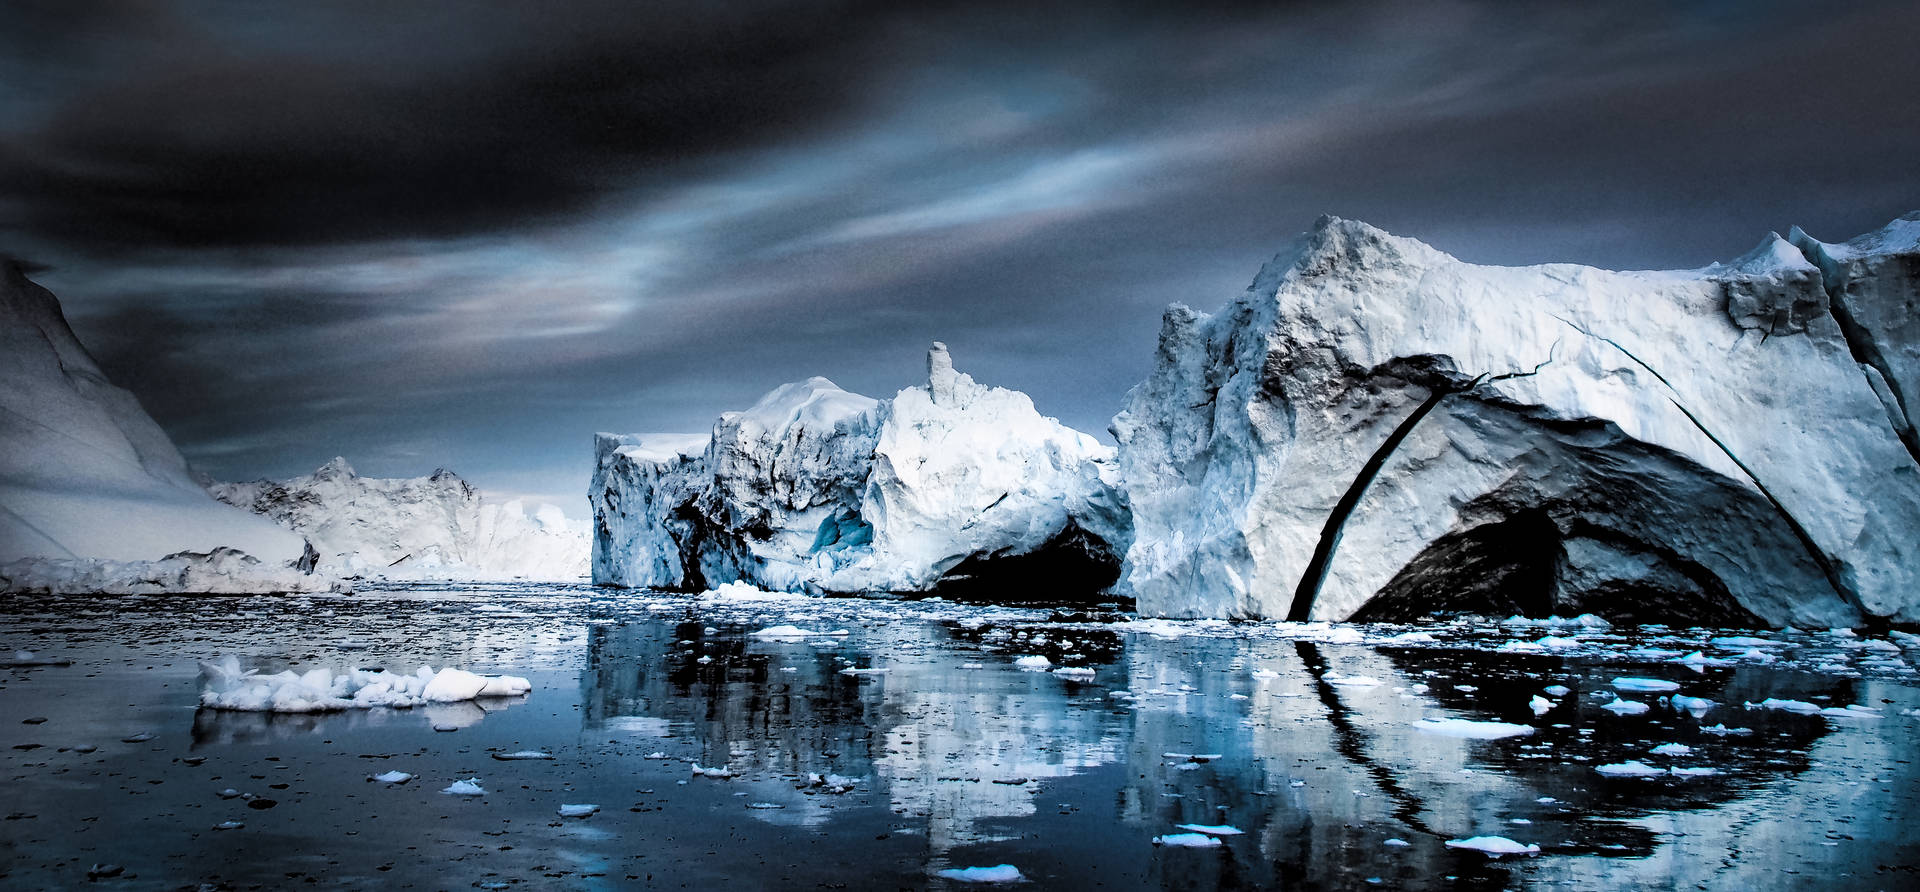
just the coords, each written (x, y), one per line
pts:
(1302, 737)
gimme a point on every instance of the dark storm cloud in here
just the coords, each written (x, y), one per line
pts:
(471, 235)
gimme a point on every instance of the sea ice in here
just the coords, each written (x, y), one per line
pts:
(1645, 685)
(523, 756)
(1186, 841)
(1212, 829)
(1472, 730)
(1493, 846)
(1540, 705)
(1625, 707)
(391, 777)
(468, 787)
(783, 631)
(225, 685)
(719, 772)
(1695, 772)
(1696, 705)
(1672, 749)
(1634, 768)
(578, 811)
(1036, 663)
(1558, 690)
(1799, 706)
(1002, 873)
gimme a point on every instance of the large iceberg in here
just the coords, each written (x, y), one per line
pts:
(437, 526)
(87, 479)
(954, 486)
(1375, 429)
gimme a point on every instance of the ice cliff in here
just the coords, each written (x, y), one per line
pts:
(952, 486)
(1375, 429)
(438, 526)
(87, 480)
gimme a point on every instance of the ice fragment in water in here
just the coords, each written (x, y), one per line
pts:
(1212, 829)
(1672, 749)
(1001, 873)
(468, 787)
(1540, 705)
(1625, 707)
(1035, 663)
(1696, 705)
(523, 756)
(1493, 846)
(578, 811)
(1695, 772)
(391, 777)
(1645, 685)
(1186, 841)
(1558, 690)
(1800, 706)
(1472, 730)
(1633, 768)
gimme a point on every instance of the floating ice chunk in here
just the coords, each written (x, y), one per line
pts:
(1634, 768)
(1695, 772)
(719, 772)
(1212, 829)
(1076, 673)
(1187, 841)
(1852, 712)
(741, 592)
(1724, 731)
(224, 685)
(1699, 659)
(1493, 846)
(656, 754)
(1625, 707)
(1000, 873)
(391, 777)
(1758, 656)
(1265, 674)
(1736, 642)
(523, 756)
(1555, 642)
(1472, 730)
(1411, 638)
(228, 793)
(1353, 681)
(1034, 663)
(141, 737)
(1798, 706)
(850, 670)
(578, 811)
(468, 787)
(782, 631)
(1396, 842)
(1645, 685)
(228, 825)
(1672, 749)
(1696, 705)
(1558, 690)
(1345, 635)
(1540, 705)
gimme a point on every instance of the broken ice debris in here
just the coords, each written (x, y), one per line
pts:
(578, 811)
(1696, 705)
(1034, 663)
(391, 777)
(1000, 873)
(1212, 829)
(225, 685)
(1672, 749)
(720, 772)
(1493, 846)
(523, 756)
(1558, 690)
(1472, 730)
(1645, 685)
(1625, 707)
(468, 787)
(1634, 768)
(1800, 706)
(1540, 705)
(1186, 841)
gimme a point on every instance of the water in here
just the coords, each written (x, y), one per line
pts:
(1303, 737)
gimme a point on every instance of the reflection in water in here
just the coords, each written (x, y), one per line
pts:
(219, 727)
(1308, 748)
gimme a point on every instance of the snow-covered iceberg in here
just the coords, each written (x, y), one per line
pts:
(953, 485)
(437, 526)
(86, 476)
(1375, 429)
(222, 571)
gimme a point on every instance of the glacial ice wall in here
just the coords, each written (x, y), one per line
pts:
(954, 486)
(86, 476)
(437, 526)
(1375, 429)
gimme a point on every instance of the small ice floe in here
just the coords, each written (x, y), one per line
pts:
(1075, 673)
(1033, 663)
(228, 793)
(1672, 749)
(764, 806)
(973, 665)
(468, 787)
(1634, 768)
(1493, 846)
(704, 660)
(1472, 730)
(831, 783)
(225, 685)
(229, 825)
(1644, 685)
(1352, 681)
(1694, 772)
(582, 810)
(1469, 688)
(782, 632)
(1796, 706)
(1699, 659)
(999, 873)
(523, 756)
(1736, 642)
(741, 593)
(1540, 705)
(717, 772)
(850, 670)
(1186, 841)
(1557, 690)
(1396, 842)
(1556, 642)
(390, 777)
(656, 754)
(1411, 638)
(1696, 705)
(1212, 829)
(141, 737)
(1344, 635)
(1625, 707)
(1852, 712)
(1724, 731)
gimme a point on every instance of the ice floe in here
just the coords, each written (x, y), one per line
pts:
(1645, 685)
(468, 787)
(225, 685)
(578, 811)
(1472, 730)
(1186, 841)
(1494, 846)
(999, 873)
(1212, 829)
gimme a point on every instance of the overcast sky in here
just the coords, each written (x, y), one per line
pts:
(470, 235)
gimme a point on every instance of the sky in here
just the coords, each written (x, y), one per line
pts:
(469, 235)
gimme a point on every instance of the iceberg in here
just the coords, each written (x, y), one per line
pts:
(1375, 430)
(437, 526)
(952, 486)
(91, 489)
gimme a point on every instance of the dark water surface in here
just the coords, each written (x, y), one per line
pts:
(1302, 736)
